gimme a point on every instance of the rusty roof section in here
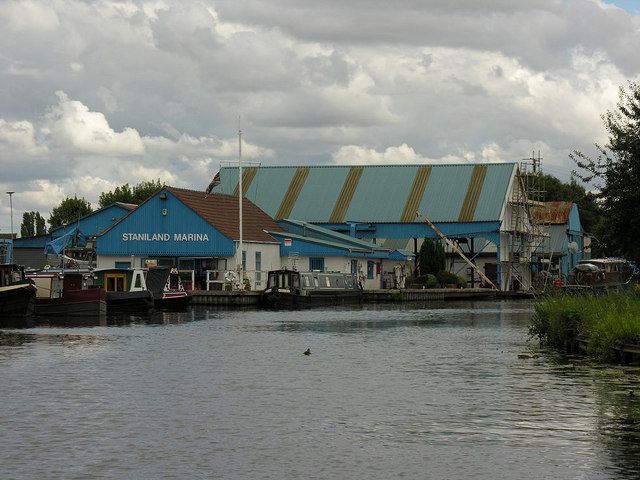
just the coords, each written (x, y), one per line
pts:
(553, 213)
(222, 212)
(474, 189)
(416, 194)
(346, 195)
(295, 187)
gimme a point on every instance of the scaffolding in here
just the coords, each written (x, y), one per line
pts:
(526, 237)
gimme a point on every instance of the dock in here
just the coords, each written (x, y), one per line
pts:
(249, 298)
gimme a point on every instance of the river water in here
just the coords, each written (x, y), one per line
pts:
(431, 391)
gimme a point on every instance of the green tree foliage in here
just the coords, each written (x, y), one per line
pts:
(616, 169)
(431, 258)
(126, 194)
(69, 210)
(32, 224)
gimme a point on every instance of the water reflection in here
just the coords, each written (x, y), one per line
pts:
(437, 392)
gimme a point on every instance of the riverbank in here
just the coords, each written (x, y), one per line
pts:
(606, 326)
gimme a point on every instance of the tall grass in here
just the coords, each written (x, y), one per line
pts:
(606, 322)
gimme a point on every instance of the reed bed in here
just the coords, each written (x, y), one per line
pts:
(605, 322)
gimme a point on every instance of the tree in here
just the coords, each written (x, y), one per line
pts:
(125, 194)
(617, 171)
(431, 258)
(69, 211)
(32, 224)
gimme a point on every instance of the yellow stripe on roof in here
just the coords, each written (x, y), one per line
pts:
(416, 194)
(248, 174)
(289, 200)
(474, 189)
(346, 195)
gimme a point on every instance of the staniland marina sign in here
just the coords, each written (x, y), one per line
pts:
(165, 237)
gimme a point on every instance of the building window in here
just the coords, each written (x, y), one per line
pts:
(123, 264)
(244, 260)
(258, 267)
(316, 263)
(354, 267)
(371, 270)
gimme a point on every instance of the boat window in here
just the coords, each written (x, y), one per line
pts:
(174, 278)
(295, 280)
(315, 282)
(339, 282)
(348, 280)
(325, 281)
(305, 281)
(111, 284)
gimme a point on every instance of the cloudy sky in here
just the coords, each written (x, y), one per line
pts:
(95, 94)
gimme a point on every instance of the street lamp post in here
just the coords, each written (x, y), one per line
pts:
(11, 208)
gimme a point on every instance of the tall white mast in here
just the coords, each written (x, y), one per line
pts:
(240, 195)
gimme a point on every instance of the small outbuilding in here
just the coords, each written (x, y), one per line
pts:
(564, 244)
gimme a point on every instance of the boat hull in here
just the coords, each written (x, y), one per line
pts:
(170, 300)
(290, 300)
(74, 303)
(17, 300)
(125, 302)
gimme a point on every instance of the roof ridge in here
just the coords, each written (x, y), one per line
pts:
(465, 164)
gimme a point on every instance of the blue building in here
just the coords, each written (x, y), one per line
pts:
(193, 231)
(379, 203)
(564, 244)
(6, 244)
(305, 246)
(29, 251)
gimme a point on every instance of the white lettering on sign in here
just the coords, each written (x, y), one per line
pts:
(190, 237)
(165, 237)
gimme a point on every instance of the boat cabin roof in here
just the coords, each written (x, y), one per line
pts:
(603, 261)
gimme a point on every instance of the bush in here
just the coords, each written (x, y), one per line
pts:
(462, 281)
(606, 322)
(447, 278)
(431, 281)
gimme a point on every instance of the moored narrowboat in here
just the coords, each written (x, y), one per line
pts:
(290, 288)
(67, 293)
(166, 287)
(126, 290)
(17, 293)
(601, 274)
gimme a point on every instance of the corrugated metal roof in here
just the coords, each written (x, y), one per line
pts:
(222, 212)
(376, 193)
(553, 213)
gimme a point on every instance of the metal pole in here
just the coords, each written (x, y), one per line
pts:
(240, 195)
(11, 209)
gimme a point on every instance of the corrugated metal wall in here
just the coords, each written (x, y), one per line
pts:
(96, 222)
(179, 219)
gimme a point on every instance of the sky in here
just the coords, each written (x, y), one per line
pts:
(95, 94)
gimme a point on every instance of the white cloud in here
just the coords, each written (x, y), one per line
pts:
(75, 127)
(20, 136)
(153, 88)
(357, 155)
